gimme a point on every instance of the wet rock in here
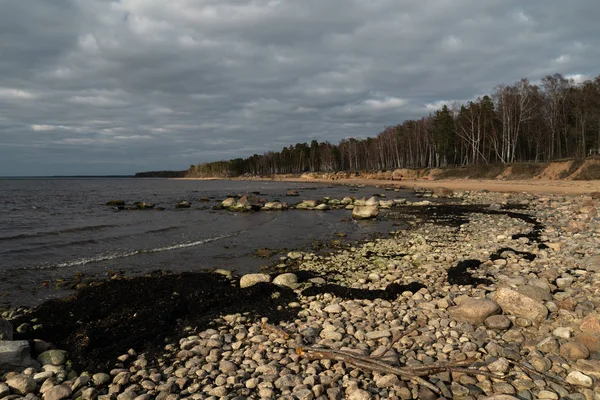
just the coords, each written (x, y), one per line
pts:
(364, 212)
(183, 204)
(515, 303)
(228, 202)
(292, 192)
(474, 311)
(115, 203)
(252, 279)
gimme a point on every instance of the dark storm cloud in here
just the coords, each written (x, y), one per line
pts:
(96, 86)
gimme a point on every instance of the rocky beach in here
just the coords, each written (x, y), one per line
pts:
(484, 295)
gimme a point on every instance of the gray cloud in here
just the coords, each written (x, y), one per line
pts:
(95, 86)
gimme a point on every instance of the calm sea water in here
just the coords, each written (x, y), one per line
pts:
(53, 228)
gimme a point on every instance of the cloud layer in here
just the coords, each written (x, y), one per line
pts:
(96, 86)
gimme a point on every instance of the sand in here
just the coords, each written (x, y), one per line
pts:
(565, 187)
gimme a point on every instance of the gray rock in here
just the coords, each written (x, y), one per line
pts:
(53, 357)
(252, 279)
(287, 381)
(21, 384)
(474, 311)
(535, 292)
(15, 354)
(58, 392)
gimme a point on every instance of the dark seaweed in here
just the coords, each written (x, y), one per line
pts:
(391, 292)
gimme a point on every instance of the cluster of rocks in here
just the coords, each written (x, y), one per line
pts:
(536, 323)
(362, 208)
(120, 205)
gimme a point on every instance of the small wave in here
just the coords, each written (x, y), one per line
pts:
(113, 256)
(57, 232)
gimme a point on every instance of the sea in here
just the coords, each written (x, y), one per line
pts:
(53, 229)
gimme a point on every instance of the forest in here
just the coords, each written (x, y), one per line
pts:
(522, 122)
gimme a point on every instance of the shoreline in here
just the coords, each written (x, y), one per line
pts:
(525, 289)
(537, 186)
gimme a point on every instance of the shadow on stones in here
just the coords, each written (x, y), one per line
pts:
(460, 275)
(102, 322)
(525, 254)
(391, 292)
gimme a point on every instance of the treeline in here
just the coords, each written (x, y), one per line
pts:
(161, 174)
(520, 122)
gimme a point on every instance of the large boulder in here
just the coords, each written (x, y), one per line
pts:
(252, 279)
(21, 384)
(15, 354)
(275, 205)
(288, 279)
(518, 304)
(365, 212)
(474, 311)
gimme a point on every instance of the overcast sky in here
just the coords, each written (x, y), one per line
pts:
(115, 87)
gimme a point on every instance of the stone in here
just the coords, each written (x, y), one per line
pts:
(359, 394)
(535, 292)
(548, 345)
(500, 397)
(288, 280)
(333, 309)
(100, 379)
(474, 311)
(58, 392)
(15, 354)
(498, 322)
(579, 379)
(21, 384)
(589, 367)
(287, 381)
(365, 212)
(501, 365)
(252, 279)
(53, 357)
(562, 332)
(372, 201)
(574, 351)
(228, 202)
(227, 367)
(589, 340)
(591, 323)
(515, 303)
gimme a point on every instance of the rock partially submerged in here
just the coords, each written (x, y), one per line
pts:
(365, 212)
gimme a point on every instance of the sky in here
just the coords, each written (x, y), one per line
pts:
(116, 87)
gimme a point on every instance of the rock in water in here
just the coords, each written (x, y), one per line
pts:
(474, 311)
(228, 202)
(364, 212)
(252, 279)
(515, 303)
